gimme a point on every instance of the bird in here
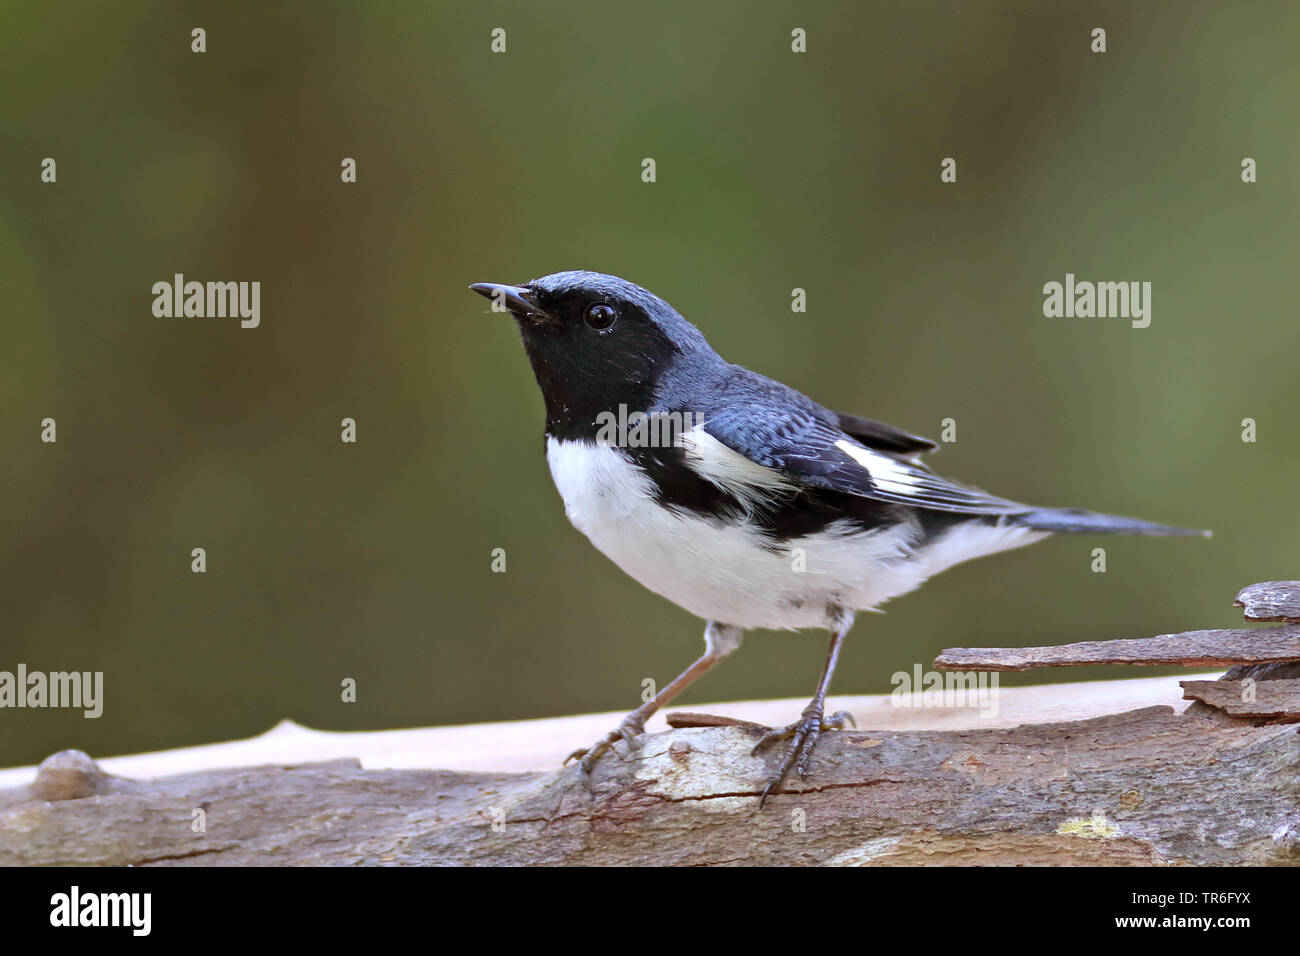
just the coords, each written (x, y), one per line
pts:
(751, 506)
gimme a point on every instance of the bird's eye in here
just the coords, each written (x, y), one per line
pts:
(600, 317)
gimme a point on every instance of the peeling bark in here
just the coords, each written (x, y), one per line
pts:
(1219, 648)
(1271, 601)
(1274, 699)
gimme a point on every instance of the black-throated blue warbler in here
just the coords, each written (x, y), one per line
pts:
(764, 509)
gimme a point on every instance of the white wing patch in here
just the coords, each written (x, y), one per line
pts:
(913, 484)
(887, 474)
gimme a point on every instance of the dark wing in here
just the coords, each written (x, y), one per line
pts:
(884, 437)
(799, 444)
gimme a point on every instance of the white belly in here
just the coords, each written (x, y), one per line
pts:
(722, 571)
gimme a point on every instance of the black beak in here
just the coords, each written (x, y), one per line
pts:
(515, 299)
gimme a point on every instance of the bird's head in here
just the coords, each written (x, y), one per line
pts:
(595, 341)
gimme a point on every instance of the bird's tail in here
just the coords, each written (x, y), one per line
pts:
(1078, 521)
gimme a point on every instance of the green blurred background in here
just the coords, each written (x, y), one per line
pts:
(775, 170)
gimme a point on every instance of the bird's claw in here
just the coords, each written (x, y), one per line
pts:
(803, 735)
(627, 731)
(839, 720)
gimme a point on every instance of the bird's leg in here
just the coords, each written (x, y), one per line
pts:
(804, 732)
(719, 641)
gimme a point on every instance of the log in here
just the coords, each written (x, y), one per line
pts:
(1215, 648)
(1144, 786)
(1067, 775)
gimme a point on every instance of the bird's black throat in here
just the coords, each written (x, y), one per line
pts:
(580, 379)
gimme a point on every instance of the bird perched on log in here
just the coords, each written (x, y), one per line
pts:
(760, 508)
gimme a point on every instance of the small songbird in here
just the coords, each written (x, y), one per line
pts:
(755, 506)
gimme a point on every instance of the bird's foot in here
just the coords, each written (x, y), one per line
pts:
(632, 726)
(802, 735)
